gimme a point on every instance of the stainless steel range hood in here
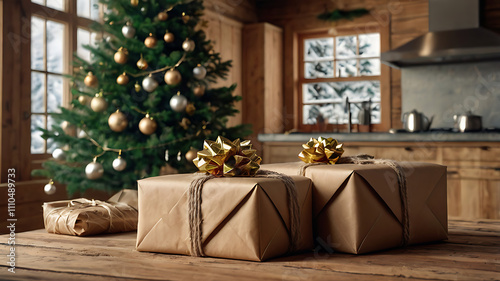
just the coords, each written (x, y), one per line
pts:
(454, 36)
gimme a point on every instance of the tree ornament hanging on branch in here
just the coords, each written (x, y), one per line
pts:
(149, 84)
(90, 80)
(147, 125)
(150, 41)
(190, 108)
(199, 90)
(59, 154)
(98, 103)
(68, 128)
(142, 64)
(185, 18)
(137, 87)
(134, 3)
(199, 72)
(94, 170)
(83, 99)
(172, 77)
(49, 188)
(162, 16)
(178, 102)
(122, 79)
(188, 45)
(119, 164)
(168, 37)
(117, 121)
(128, 30)
(191, 154)
(121, 56)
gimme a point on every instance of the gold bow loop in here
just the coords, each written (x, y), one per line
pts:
(321, 150)
(225, 158)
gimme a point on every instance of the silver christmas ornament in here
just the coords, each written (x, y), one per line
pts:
(179, 156)
(59, 154)
(178, 102)
(166, 155)
(188, 45)
(94, 170)
(199, 72)
(119, 164)
(149, 84)
(82, 134)
(128, 30)
(50, 188)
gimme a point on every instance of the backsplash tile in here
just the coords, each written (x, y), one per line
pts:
(445, 90)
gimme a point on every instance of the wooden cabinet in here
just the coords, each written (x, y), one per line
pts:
(473, 169)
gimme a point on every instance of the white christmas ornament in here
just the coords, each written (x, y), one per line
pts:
(59, 154)
(94, 170)
(199, 72)
(149, 84)
(188, 45)
(119, 164)
(82, 134)
(128, 30)
(50, 188)
(178, 102)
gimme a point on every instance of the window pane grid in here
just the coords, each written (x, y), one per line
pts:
(328, 80)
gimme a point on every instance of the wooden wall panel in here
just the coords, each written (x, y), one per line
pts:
(226, 35)
(240, 10)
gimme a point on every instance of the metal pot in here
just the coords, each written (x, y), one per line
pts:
(415, 121)
(468, 122)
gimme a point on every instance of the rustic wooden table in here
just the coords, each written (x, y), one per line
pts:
(471, 253)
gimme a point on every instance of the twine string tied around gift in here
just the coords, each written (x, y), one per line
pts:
(364, 159)
(82, 203)
(196, 220)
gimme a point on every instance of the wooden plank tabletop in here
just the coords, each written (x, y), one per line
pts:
(471, 253)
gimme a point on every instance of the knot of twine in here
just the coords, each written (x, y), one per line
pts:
(364, 159)
(195, 216)
(76, 205)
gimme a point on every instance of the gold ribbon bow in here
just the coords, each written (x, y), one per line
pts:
(225, 158)
(321, 150)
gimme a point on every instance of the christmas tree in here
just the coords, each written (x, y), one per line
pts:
(144, 100)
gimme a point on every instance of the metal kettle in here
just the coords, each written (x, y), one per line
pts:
(365, 113)
(415, 121)
(468, 122)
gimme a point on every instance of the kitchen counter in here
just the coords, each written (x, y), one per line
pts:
(385, 137)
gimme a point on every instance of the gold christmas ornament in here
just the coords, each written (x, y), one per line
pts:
(68, 128)
(190, 108)
(122, 79)
(121, 56)
(228, 158)
(188, 45)
(98, 103)
(84, 100)
(134, 3)
(185, 18)
(191, 154)
(142, 64)
(90, 80)
(162, 16)
(199, 90)
(172, 77)
(147, 125)
(137, 87)
(117, 121)
(150, 41)
(168, 37)
(321, 150)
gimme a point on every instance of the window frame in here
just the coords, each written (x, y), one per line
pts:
(384, 78)
(16, 83)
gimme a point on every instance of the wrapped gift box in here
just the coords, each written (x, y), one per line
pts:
(242, 217)
(357, 208)
(84, 217)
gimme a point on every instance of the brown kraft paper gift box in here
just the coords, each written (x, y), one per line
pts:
(357, 208)
(242, 217)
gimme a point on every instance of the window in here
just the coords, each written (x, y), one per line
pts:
(56, 25)
(335, 67)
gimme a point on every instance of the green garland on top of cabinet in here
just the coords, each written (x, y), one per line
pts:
(338, 14)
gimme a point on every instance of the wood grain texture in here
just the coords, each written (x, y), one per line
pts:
(472, 252)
